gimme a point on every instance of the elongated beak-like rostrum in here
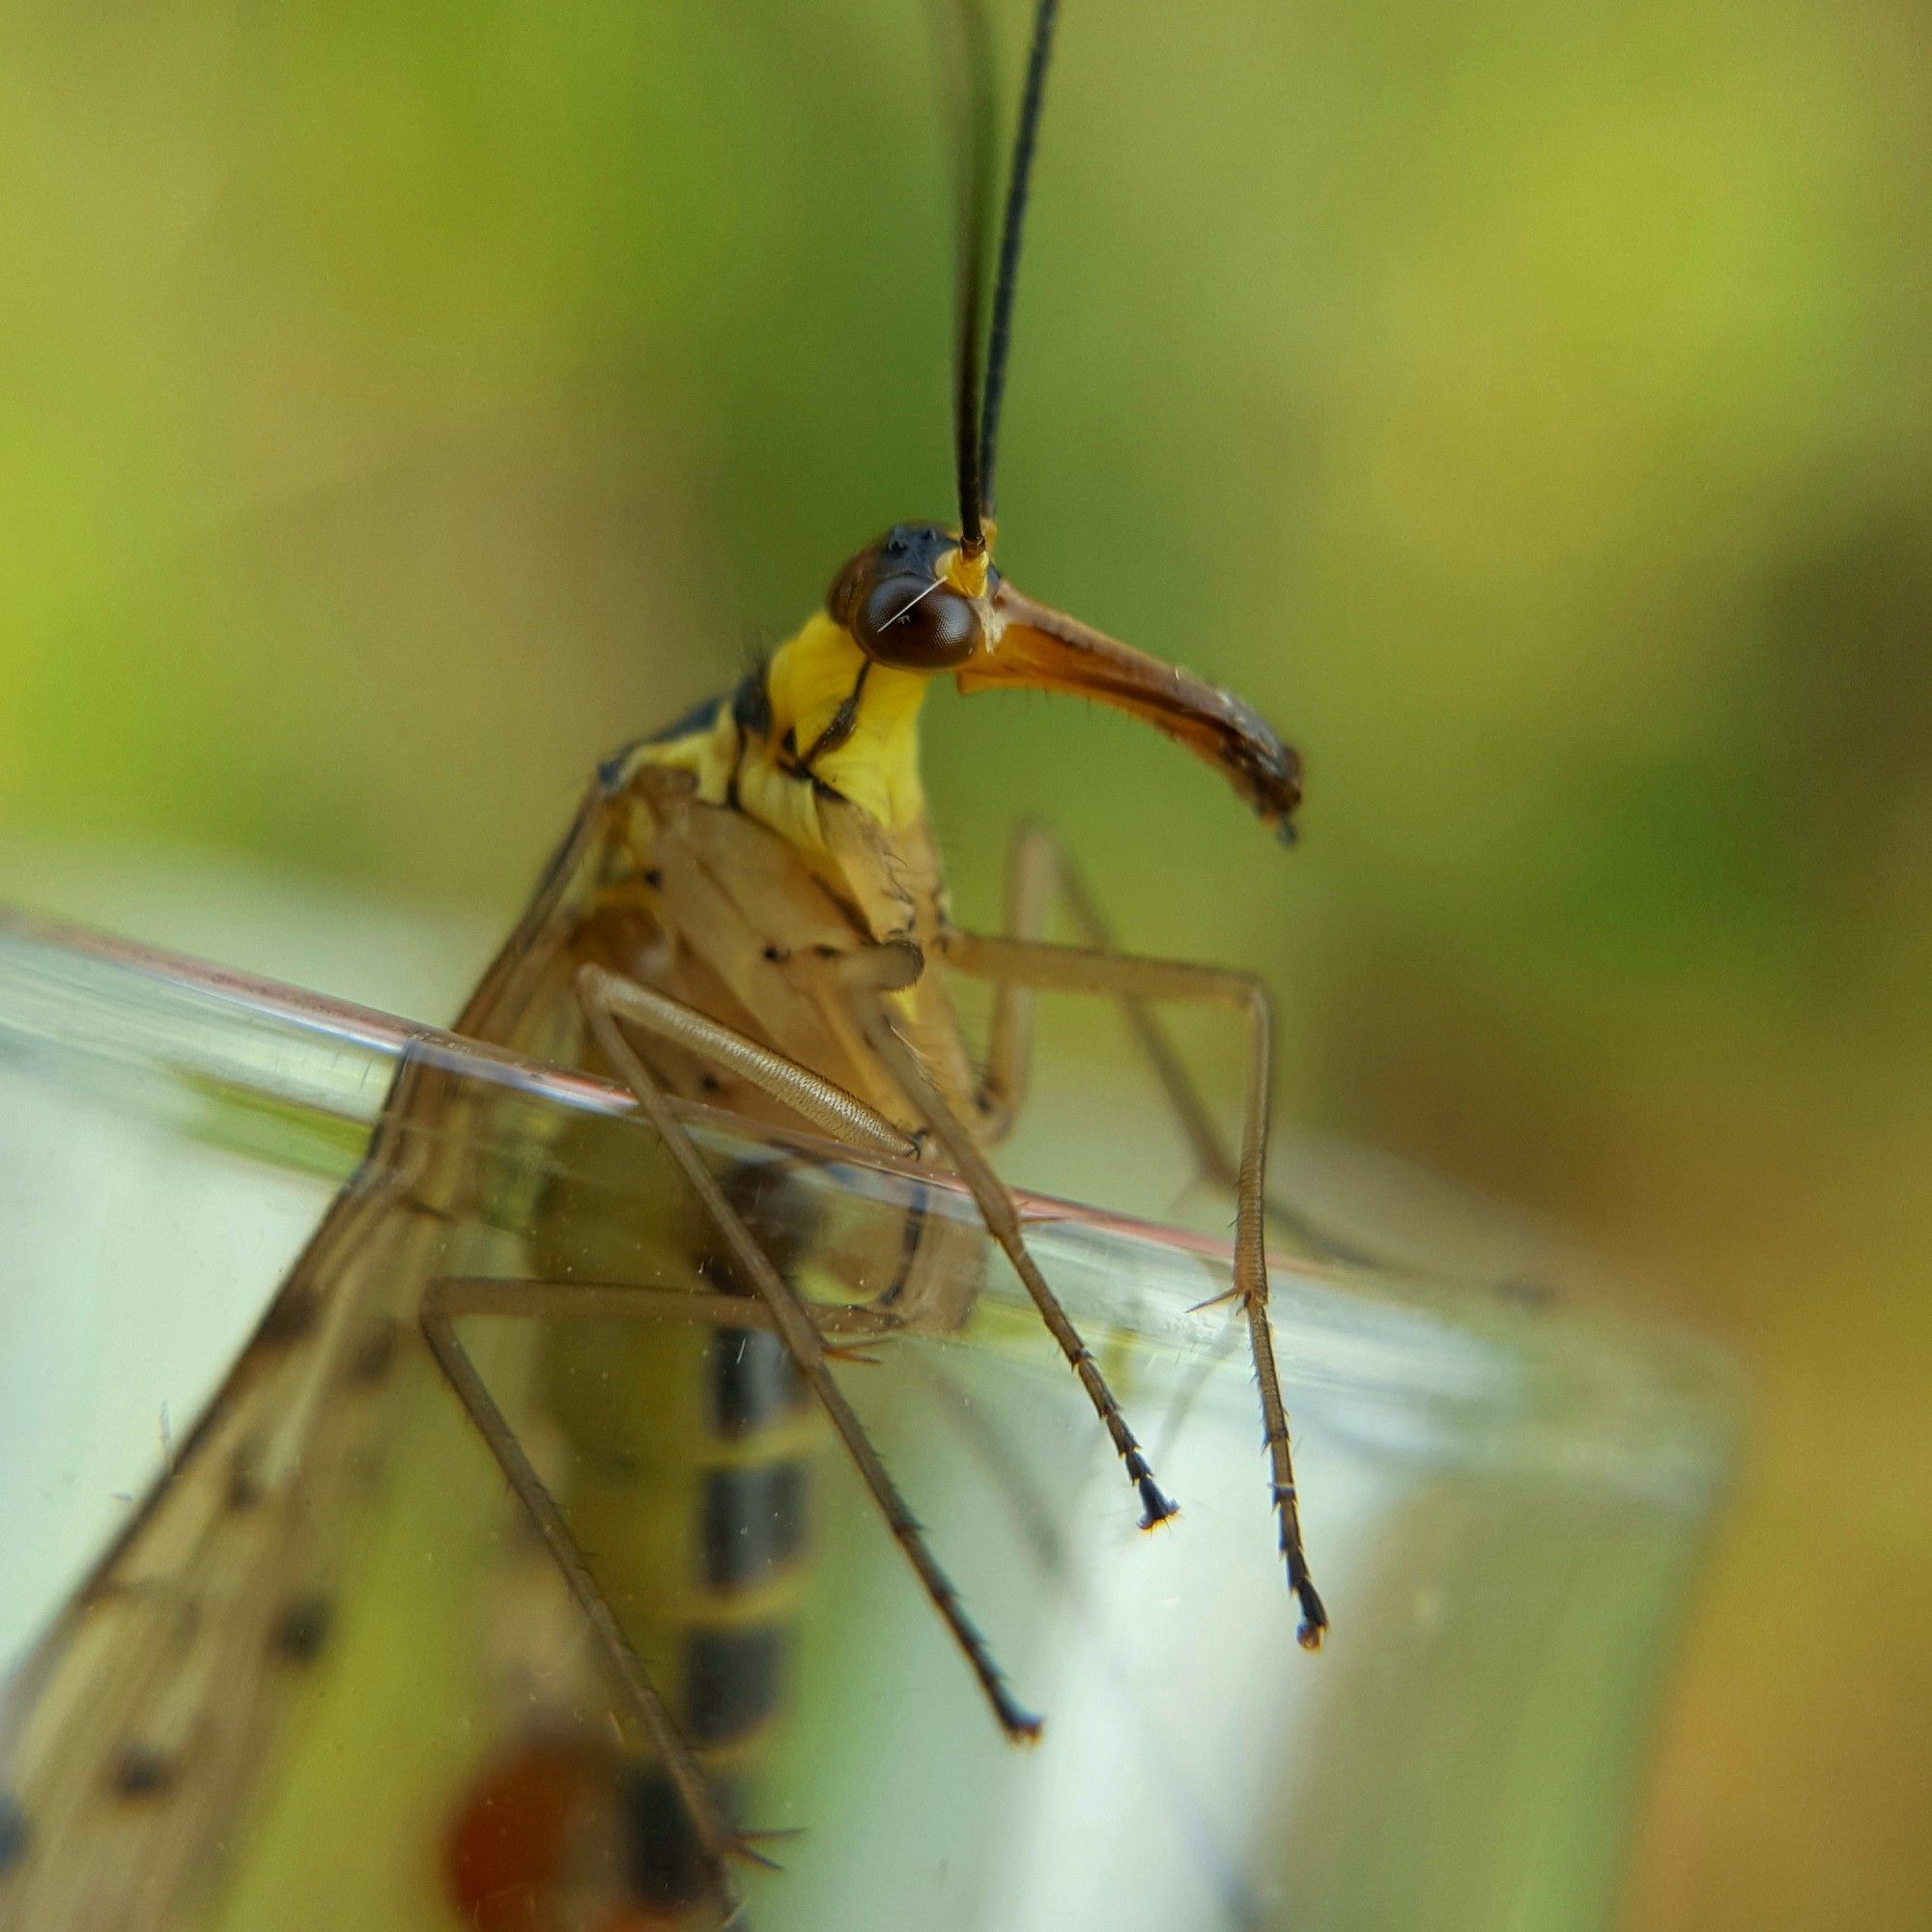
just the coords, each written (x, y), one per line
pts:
(1030, 646)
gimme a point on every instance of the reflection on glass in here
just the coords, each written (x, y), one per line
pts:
(1505, 1496)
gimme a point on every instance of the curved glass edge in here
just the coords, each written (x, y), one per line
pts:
(1506, 1373)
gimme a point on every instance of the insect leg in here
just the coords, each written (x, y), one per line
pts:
(862, 973)
(1035, 965)
(461, 1295)
(648, 1711)
(817, 1102)
(801, 1336)
(1040, 869)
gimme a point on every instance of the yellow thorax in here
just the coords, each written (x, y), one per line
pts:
(808, 679)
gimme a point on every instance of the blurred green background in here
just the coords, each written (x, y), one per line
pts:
(1524, 405)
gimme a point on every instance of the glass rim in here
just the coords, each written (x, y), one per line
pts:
(390, 1037)
(1659, 1404)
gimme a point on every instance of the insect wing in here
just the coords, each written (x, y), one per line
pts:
(137, 1726)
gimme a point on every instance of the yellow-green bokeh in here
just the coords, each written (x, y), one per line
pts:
(1525, 406)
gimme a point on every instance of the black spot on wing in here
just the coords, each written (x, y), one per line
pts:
(244, 1486)
(373, 1356)
(302, 1632)
(141, 1773)
(291, 1319)
(754, 1523)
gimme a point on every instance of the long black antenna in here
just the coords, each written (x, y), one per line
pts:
(966, 74)
(1018, 180)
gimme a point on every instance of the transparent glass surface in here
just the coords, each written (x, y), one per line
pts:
(1505, 1495)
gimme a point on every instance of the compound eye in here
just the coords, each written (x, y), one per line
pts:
(917, 625)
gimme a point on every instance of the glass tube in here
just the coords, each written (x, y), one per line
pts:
(1505, 1495)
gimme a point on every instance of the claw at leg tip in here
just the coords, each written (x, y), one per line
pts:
(1021, 1728)
(1158, 1508)
(1314, 1625)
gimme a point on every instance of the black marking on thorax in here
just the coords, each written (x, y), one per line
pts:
(838, 727)
(752, 703)
(795, 768)
(699, 718)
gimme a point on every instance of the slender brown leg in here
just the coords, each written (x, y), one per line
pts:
(815, 1099)
(1038, 967)
(1040, 870)
(650, 1717)
(461, 1295)
(450, 1298)
(995, 1205)
(800, 1334)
